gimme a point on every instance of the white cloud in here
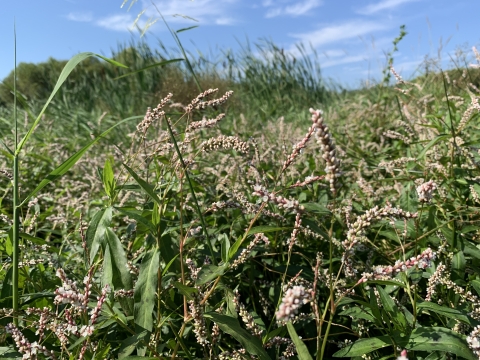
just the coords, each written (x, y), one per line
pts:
(382, 5)
(344, 60)
(80, 16)
(333, 53)
(225, 21)
(295, 9)
(336, 33)
(122, 22)
(207, 12)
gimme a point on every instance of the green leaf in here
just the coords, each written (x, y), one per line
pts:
(439, 339)
(185, 290)
(72, 63)
(266, 229)
(446, 311)
(225, 247)
(364, 346)
(140, 219)
(187, 28)
(476, 285)
(161, 63)
(121, 279)
(210, 272)
(375, 309)
(128, 346)
(6, 294)
(96, 231)
(169, 264)
(145, 290)
(108, 178)
(357, 312)
(316, 208)
(156, 214)
(102, 352)
(144, 185)
(9, 242)
(234, 248)
(430, 144)
(458, 266)
(392, 309)
(387, 282)
(72, 160)
(471, 250)
(107, 274)
(302, 350)
(230, 325)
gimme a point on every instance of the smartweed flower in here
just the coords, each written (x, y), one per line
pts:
(403, 355)
(473, 341)
(29, 350)
(293, 299)
(425, 191)
(328, 148)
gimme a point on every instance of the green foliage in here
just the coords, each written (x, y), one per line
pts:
(266, 77)
(171, 240)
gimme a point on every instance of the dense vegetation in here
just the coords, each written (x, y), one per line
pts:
(238, 225)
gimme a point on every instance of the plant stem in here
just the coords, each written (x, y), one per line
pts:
(16, 239)
(16, 208)
(192, 191)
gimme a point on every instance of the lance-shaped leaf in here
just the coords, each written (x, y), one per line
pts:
(145, 289)
(96, 231)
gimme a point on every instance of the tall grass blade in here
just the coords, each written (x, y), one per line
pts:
(180, 46)
(162, 63)
(72, 63)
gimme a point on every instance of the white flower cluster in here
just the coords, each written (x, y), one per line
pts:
(225, 142)
(280, 201)
(69, 292)
(473, 341)
(294, 298)
(425, 191)
(29, 350)
(422, 260)
(327, 145)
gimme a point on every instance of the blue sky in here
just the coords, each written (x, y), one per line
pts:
(350, 37)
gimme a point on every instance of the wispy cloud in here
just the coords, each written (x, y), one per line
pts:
(80, 16)
(207, 12)
(336, 33)
(289, 8)
(122, 22)
(382, 5)
(408, 66)
(345, 60)
(225, 21)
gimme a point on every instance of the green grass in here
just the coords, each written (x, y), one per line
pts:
(200, 239)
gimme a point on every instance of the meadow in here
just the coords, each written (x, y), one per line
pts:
(237, 208)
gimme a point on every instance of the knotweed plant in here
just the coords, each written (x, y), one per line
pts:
(205, 239)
